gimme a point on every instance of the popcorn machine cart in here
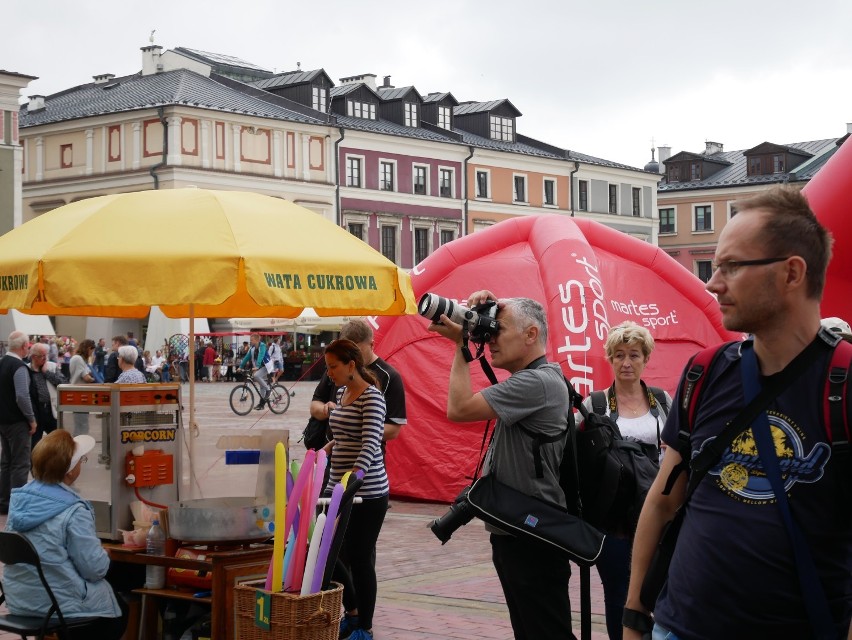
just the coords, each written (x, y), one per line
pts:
(139, 434)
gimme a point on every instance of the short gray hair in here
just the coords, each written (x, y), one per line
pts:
(39, 349)
(17, 340)
(128, 353)
(529, 312)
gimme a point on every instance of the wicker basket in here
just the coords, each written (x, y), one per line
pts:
(314, 617)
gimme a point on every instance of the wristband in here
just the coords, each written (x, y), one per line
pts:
(636, 620)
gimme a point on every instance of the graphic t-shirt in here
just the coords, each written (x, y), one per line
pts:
(733, 573)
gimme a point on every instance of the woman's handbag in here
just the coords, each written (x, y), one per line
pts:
(547, 523)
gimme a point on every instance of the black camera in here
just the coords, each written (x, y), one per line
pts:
(480, 322)
(458, 515)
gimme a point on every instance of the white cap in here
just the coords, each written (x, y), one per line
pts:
(837, 325)
(82, 446)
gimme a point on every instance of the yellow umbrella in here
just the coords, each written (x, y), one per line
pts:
(194, 252)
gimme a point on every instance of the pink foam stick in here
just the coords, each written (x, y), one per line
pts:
(319, 476)
(298, 487)
(327, 535)
(306, 514)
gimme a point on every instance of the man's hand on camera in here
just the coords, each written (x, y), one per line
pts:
(448, 329)
(481, 297)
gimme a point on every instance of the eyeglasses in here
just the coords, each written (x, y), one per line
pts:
(730, 268)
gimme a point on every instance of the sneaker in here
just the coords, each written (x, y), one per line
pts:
(261, 404)
(361, 634)
(348, 626)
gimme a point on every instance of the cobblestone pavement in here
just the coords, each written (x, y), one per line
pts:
(426, 590)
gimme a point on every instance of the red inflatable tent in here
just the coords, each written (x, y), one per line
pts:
(588, 276)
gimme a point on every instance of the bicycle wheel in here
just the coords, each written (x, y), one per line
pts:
(242, 399)
(279, 399)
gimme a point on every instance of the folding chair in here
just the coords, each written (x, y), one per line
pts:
(16, 549)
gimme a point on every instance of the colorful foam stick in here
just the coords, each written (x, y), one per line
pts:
(306, 516)
(319, 476)
(327, 536)
(302, 476)
(340, 530)
(274, 580)
(313, 553)
(288, 554)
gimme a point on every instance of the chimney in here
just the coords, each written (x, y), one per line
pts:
(664, 153)
(849, 127)
(151, 59)
(367, 78)
(36, 103)
(386, 84)
(712, 148)
(103, 78)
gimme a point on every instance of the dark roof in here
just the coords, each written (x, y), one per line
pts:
(438, 97)
(718, 158)
(477, 107)
(736, 173)
(769, 147)
(218, 59)
(179, 87)
(396, 93)
(288, 78)
(393, 129)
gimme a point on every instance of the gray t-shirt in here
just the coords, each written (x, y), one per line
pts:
(539, 399)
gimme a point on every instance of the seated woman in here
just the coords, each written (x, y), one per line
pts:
(61, 527)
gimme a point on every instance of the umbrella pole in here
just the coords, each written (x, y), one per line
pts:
(193, 428)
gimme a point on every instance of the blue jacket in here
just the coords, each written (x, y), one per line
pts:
(61, 526)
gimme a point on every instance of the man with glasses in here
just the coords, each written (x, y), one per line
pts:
(45, 378)
(734, 572)
(17, 419)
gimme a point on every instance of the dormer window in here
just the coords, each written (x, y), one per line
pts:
(754, 166)
(674, 173)
(502, 129)
(695, 171)
(444, 117)
(778, 163)
(410, 114)
(357, 109)
(319, 99)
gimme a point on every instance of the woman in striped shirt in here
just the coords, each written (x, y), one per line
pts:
(357, 425)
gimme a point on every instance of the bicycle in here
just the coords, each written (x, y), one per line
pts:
(242, 398)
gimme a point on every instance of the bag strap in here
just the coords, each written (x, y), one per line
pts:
(836, 406)
(813, 594)
(599, 402)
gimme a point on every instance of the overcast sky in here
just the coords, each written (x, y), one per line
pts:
(602, 77)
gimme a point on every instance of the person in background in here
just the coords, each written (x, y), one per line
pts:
(127, 356)
(61, 527)
(17, 419)
(100, 360)
(53, 352)
(112, 368)
(45, 378)
(357, 424)
(228, 361)
(277, 359)
(80, 373)
(262, 364)
(634, 407)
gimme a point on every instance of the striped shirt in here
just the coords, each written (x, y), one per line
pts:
(358, 429)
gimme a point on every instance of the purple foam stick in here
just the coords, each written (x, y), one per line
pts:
(327, 535)
(344, 510)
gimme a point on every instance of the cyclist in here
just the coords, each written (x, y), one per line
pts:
(262, 363)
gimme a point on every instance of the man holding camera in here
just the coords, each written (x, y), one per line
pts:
(534, 578)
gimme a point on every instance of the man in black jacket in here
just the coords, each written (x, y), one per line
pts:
(112, 368)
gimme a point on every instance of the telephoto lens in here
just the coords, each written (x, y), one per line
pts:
(433, 306)
(458, 515)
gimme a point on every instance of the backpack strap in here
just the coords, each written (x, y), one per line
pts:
(659, 397)
(538, 440)
(694, 380)
(599, 402)
(836, 406)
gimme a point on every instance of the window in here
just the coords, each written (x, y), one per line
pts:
(353, 171)
(754, 166)
(410, 114)
(637, 201)
(583, 195)
(674, 173)
(386, 171)
(778, 163)
(445, 182)
(502, 129)
(361, 109)
(421, 244)
(703, 217)
(389, 242)
(444, 117)
(356, 229)
(703, 269)
(319, 99)
(483, 189)
(447, 235)
(667, 220)
(549, 192)
(519, 190)
(695, 171)
(420, 180)
(613, 198)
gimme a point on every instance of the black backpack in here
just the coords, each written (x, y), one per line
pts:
(615, 472)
